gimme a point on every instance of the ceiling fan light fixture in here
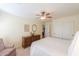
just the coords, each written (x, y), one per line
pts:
(43, 17)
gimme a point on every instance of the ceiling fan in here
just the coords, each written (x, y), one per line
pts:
(44, 15)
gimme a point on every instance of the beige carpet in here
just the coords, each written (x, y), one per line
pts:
(23, 52)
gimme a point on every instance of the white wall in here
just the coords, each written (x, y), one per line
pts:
(65, 27)
(12, 28)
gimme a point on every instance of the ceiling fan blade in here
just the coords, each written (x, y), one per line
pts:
(49, 16)
(47, 13)
(43, 13)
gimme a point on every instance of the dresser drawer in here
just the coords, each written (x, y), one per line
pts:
(27, 41)
(37, 37)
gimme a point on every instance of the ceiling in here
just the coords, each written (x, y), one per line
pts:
(57, 10)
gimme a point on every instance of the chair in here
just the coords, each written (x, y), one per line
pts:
(6, 51)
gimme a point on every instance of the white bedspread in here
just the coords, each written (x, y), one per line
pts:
(50, 47)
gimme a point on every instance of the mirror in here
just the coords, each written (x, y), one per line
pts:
(34, 28)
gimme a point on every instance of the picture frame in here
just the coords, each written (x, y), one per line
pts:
(26, 27)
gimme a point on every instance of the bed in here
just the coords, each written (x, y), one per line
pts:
(55, 47)
(50, 47)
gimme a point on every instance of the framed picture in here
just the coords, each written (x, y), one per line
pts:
(26, 28)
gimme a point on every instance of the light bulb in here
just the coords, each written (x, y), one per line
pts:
(43, 18)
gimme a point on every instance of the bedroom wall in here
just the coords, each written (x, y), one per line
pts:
(12, 28)
(65, 27)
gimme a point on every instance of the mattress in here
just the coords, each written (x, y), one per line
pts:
(50, 47)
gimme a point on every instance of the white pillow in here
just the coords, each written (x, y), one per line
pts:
(74, 47)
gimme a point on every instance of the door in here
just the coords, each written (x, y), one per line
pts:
(67, 29)
(48, 29)
(63, 29)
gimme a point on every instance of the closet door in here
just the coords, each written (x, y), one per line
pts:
(67, 29)
(57, 28)
(47, 29)
(62, 28)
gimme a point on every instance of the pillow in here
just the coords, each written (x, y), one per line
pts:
(1, 45)
(74, 47)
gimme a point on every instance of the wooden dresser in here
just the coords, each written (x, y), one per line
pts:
(27, 41)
